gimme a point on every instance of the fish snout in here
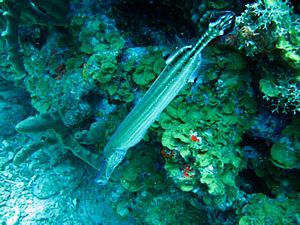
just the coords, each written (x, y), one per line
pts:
(222, 22)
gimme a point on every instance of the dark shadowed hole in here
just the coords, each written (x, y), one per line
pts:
(250, 183)
(153, 22)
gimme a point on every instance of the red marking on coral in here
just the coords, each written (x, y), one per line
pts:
(60, 68)
(194, 138)
(167, 155)
(60, 71)
(186, 171)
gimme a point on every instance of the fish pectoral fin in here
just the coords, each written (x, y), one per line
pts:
(178, 54)
(197, 71)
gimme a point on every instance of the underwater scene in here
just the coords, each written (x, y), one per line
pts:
(150, 112)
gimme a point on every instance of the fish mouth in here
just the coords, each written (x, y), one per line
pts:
(223, 21)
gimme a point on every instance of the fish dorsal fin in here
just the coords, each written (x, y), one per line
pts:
(178, 54)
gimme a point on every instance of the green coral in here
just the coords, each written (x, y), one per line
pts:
(290, 46)
(116, 76)
(202, 129)
(96, 35)
(39, 88)
(286, 153)
(108, 73)
(264, 210)
(74, 63)
(141, 172)
(104, 67)
(101, 66)
(150, 66)
(183, 179)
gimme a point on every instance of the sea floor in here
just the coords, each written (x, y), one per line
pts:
(52, 186)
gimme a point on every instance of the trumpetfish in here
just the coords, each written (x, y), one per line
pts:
(176, 74)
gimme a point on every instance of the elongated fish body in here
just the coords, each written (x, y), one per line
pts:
(168, 84)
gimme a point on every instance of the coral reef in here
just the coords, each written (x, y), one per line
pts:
(224, 149)
(27, 13)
